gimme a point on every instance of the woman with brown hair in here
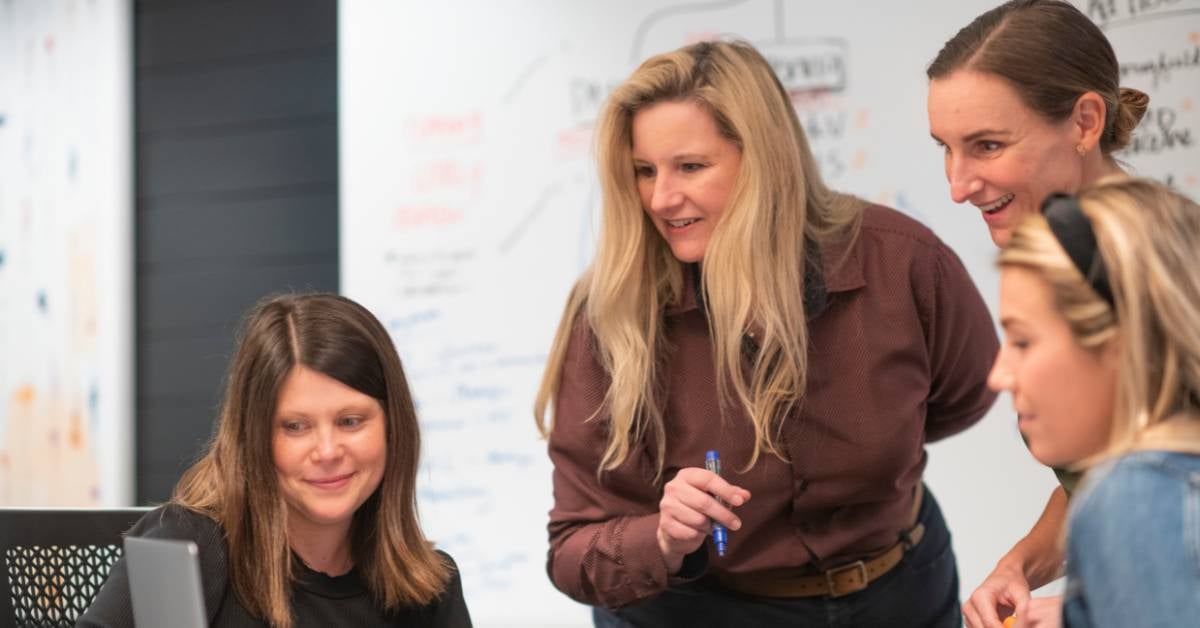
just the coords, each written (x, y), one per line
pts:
(737, 304)
(1026, 101)
(304, 506)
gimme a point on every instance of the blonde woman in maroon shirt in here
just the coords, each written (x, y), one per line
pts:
(737, 304)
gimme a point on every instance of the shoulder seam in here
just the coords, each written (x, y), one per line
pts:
(935, 242)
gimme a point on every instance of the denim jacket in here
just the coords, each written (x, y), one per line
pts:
(1133, 546)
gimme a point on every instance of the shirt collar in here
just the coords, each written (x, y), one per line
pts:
(840, 269)
(1178, 434)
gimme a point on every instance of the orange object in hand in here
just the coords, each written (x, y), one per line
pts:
(1010, 621)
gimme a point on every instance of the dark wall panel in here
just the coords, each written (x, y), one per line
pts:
(237, 194)
(187, 371)
(302, 224)
(206, 32)
(201, 298)
(294, 154)
(275, 89)
(177, 435)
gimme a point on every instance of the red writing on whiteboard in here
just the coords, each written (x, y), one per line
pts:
(466, 128)
(411, 217)
(448, 175)
(574, 142)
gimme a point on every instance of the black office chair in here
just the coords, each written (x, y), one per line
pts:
(55, 561)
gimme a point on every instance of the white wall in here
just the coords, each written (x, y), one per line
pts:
(66, 253)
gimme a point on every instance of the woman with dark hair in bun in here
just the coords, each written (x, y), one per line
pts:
(1026, 101)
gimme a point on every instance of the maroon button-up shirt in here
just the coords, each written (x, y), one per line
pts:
(900, 347)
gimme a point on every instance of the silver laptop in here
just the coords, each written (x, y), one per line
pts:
(164, 583)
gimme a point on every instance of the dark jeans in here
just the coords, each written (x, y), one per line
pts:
(920, 592)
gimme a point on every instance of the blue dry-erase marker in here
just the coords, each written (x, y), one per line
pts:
(712, 462)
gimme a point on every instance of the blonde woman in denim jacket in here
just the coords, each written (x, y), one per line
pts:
(1099, 303)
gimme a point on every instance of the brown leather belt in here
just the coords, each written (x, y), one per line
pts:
(836, 582)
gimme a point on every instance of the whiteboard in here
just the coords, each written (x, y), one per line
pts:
(66, 253)
(469, 204)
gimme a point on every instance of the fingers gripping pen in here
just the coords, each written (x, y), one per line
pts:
(712, 462)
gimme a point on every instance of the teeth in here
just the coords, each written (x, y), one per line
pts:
(682, 223)
(997, 204)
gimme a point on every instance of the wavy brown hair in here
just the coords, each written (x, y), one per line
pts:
(753, 271)
(235, 484)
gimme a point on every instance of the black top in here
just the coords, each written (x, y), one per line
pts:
(317, 599)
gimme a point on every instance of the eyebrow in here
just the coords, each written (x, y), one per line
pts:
(983, 132)
(679, 158)
(970, 137)
(356, 409)
(1009, 321)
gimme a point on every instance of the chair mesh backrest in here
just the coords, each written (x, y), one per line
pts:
(52, 585)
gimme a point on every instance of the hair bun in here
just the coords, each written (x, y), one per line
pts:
(1131, 106)
(1135, 100)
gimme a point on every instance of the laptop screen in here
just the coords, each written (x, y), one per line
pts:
(164, 583)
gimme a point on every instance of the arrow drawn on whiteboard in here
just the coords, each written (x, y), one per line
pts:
(523, 225)
(523, 77)
(639, 36)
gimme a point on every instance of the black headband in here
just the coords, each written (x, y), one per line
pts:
(1073, 231)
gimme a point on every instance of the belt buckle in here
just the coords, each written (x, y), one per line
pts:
(858, 565)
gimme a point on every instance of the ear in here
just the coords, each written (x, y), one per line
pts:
(1088, 117)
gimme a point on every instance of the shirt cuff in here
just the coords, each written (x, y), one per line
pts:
(647, 568)
(694, 566)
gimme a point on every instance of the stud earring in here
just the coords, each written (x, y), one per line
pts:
(1080, 149)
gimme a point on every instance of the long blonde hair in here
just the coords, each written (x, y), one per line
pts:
(753, 270)
(1149, 240)
(235, 482)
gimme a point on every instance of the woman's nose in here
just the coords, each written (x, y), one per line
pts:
(964, 182)
(665, 195)
(328, 445)
(1000, 378)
